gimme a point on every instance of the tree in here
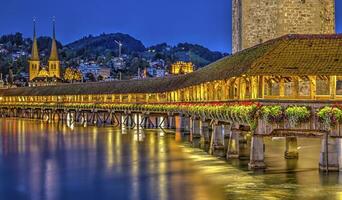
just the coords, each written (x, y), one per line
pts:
(91, 77)
(10, 76)
(137, 63)
(100, 78)
(72, 75)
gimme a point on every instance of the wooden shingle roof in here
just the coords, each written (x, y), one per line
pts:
(284, 56)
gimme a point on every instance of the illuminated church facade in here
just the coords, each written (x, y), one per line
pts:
(40, 74)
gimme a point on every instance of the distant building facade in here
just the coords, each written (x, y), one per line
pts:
(104, 72)
(182, 68)
(89, 68)
(118, 63)
(156, 68)
(94, 69)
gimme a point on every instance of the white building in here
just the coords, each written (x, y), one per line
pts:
(86, 68)
(104, 72)
(95, 69)
(118, 63)
(155, 72)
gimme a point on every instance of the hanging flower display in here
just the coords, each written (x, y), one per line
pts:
(297, 114)
(330, 116)
(272, 113)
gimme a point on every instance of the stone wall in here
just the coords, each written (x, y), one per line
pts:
(256, 21)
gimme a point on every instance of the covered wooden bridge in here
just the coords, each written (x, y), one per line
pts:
(292, 72)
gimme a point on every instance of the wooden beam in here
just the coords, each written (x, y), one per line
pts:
(281, 87)
(332, 84)
(261, 89)
(312, 86)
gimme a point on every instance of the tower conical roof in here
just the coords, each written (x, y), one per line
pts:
(54, 51)
(34, 52)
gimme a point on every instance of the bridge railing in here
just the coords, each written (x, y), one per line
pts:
(263, 118)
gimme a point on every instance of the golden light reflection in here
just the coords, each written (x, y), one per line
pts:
(162, 169)
(168, 163)
(151, 156)
(110, 155)
(21, 136)
(139, 136)
(94, 137)
(339, 195)
(51, 180)
(135, 168)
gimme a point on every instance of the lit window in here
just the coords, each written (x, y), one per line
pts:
(339, 85)
(322, 85)
(289, 86)
(304, 86)
(272, 87)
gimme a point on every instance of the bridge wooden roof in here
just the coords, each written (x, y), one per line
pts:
(284, 56)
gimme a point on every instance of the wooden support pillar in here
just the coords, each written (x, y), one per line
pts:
(195, 126)
(254, 87)
(257, 153)
(312, 86)
(204, 133)
(171, 122)
(212, 139)
(244, 145)
(202, 92)
(333, 87)
(185, 124)
(282, 87)
(296, 86)
(216, 143)
(233, 148)
(195, 132)
(339, 147)
(226, 135)
(137, 121)
(291, 151)
(330, 150)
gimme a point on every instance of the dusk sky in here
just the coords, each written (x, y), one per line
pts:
(206, 22)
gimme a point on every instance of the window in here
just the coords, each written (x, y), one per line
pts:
(304, 86)
(124, 98)
(289, 87)
(339, 85)
(152, 97)
(322, 85)
(245, 89)
(272, 87)
(141, 98)
(109, 98)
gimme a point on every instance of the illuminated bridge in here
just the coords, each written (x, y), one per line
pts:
(288, 87)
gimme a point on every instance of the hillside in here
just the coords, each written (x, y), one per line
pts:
(105, 44)
(15, 50)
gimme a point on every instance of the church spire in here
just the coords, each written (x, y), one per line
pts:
(54, 52)
(34, 52)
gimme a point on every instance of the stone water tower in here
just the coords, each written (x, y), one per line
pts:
(256, 21)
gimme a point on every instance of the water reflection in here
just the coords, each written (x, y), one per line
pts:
(283, 179)
(40, 160)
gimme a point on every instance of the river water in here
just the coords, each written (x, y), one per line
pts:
(40, 161)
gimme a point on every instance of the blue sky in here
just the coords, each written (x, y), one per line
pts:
(206, 22)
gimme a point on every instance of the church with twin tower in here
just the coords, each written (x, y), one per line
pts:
(257, 21)
(44, 74)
